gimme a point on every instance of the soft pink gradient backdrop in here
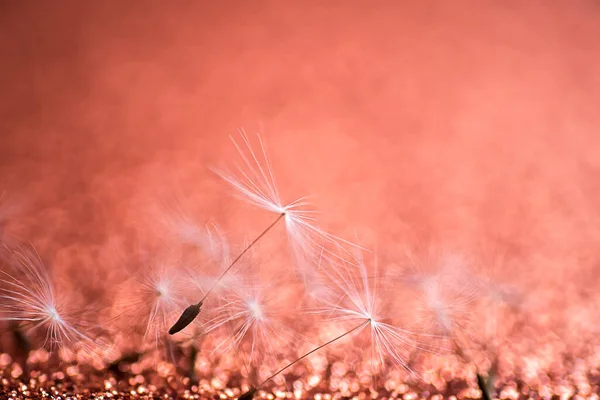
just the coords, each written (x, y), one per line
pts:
(471, 124)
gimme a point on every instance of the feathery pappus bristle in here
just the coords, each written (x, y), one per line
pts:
(359, 301)
(149, 301)
(254, 182)
(29, 299)
(255, 314)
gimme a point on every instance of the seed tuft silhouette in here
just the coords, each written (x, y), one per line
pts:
(249, 395)
(187, 317)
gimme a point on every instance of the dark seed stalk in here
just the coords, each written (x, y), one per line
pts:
(482, 383)
(249, 395)
(190, 313)
(483, 386)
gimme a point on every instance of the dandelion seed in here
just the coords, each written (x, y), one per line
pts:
(254, 314)
(501, 297)
(154, 297)
(185, 322)
(446, 296)
(29, 299)
(359, 302)
(449, 302)
(254, 181)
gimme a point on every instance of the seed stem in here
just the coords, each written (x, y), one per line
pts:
(361, 325)
(241, 254)
(483, 386)
(190, 313)
(482, 383)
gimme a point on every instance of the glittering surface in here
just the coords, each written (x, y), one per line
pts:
(530, 377)
(455, 144)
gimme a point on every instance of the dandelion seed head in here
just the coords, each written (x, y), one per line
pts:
(151, 300)
(161, 290)
(360, 301)
(256, 310)
(53, 314)
(29, 298)
(189, 232)
(254, 182)
(254, 322)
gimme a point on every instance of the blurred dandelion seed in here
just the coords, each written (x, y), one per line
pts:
(174, 217)
(157, 293)
(449, 302)
(359, 301)
(29, 298)
(254, 314)
(255, 182)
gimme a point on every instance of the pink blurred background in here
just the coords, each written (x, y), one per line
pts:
(471, 124)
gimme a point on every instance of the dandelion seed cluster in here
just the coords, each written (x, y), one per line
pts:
(198, 317)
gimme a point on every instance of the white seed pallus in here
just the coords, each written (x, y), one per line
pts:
(254, 314)
(254, 182)
(359, 301)
(151, 300)
(447, 290)
(28, 297)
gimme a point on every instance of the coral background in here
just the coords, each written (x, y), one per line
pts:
(466, 123)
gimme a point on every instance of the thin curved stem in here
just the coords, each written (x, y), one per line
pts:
(361, 325)
(240, 256)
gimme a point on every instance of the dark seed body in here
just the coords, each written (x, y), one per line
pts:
(249, 395)
(187, 317)
(482, 384)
